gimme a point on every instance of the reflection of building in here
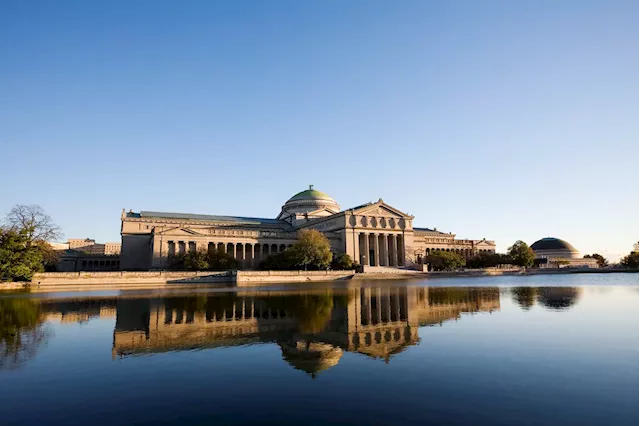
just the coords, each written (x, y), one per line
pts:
(374, 234)
(557, 253)
(84, 254)
(78, 310)
(438, 304)
(377, 322)
(373, 322)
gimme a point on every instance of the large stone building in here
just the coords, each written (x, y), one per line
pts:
(374, 234)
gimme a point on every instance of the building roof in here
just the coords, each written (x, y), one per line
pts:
(311, 194)
(424, 229)
(189, 216)
(550, 243)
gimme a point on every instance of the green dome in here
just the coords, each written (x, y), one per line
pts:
(310, 194)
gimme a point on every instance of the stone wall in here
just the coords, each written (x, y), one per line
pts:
(254, 278)
(126, 277)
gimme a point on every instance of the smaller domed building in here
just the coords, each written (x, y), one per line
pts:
(559, 253)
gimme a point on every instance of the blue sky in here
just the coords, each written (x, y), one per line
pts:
(499, 119)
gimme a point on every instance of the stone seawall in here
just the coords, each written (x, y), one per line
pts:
(256, 278)
(124, 277)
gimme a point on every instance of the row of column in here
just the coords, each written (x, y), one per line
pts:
(378, 249)
(247, 254)
(240, 310)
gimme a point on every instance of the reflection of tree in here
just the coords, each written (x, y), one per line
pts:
(525, 296)
(312, 311)
(21, 331)
(558, 297)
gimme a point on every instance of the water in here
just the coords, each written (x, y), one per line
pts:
(552, 350)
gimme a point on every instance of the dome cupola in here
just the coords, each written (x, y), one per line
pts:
(309, 204)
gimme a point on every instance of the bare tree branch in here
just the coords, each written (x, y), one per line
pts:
(33, 218)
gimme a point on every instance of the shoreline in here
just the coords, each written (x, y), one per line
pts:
(80, 281)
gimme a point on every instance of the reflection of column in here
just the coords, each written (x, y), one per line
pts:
(366, 249)
(379, 305)
(376, 251)
(368, 294)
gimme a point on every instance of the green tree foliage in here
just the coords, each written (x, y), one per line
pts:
(341, 262)
(21, 331)
(521, 254)
(445, 261)
(220, 260)
(630, 260)
(202, 260)
(19, 258)
(311, 251)
(489, 260)
(602, 262)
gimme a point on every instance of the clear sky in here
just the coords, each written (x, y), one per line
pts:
(498, 119)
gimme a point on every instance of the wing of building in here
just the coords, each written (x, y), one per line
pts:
(373, 234)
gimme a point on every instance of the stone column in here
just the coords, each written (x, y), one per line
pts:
(233, 250)
(385, 250)
(366, 248)
(376, 251)
(254, 258)
(394, 250)
(401, 254)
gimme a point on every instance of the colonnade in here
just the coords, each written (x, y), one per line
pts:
(248, 255)
(378, 249)
(464, 252)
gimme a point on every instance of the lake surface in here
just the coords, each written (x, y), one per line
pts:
(541, 350)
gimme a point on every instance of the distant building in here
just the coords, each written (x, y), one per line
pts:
(84, 254)
(374, 234)
(558, 253)
(88, 245)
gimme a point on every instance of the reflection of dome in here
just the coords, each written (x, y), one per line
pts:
(310, 357)
(309, 201)
(554, 247)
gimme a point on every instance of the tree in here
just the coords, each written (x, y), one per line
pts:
(220, 260)
(19, 259)
(489, 260)
(33, 218)
(602, 262)
(21, 331)
(445, 261)
(630, 260)
(341, 262)
(312, 250)
(521, 254)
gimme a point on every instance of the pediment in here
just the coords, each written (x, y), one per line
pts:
(180, 232)
(381, 209)
(485, 243)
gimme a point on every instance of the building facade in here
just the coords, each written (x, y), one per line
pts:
(373, 234)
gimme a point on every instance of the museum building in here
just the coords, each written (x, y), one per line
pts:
(374, 234)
